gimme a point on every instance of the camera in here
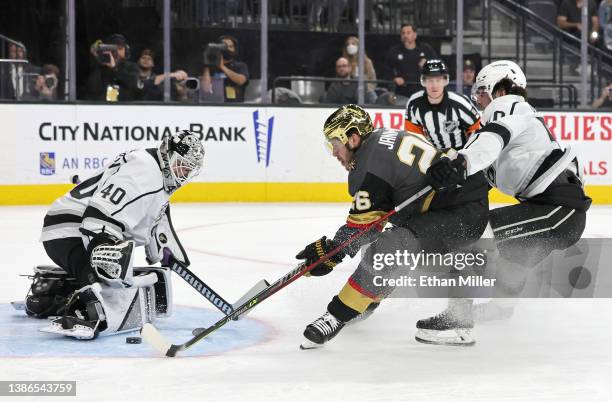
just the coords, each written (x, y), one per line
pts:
(192, 84)
(50, 81)
(212, 54)
(102, 51)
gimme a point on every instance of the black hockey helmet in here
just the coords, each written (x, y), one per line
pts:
(433, 67)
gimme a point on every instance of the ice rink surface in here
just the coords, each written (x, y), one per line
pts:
(551, 349)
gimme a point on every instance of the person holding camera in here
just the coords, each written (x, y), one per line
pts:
(220, 63)
(605, 100)
(45, 87)
(114, 77)
(17, 78)
(150, 85)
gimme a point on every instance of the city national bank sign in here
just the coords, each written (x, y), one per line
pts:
(116, 138)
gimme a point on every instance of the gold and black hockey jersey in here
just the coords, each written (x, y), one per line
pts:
(390, 167)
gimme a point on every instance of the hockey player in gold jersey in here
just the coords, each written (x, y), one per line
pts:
(385, 168)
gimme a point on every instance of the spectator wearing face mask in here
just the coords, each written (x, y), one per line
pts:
(350, 52)
(235, 73)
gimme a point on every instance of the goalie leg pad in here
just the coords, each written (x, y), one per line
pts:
(163, 289)
(99, 309)
(49, 291)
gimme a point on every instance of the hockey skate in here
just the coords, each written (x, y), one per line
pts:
(450, 327)
(320, 331)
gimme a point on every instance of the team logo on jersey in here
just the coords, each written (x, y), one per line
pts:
(47, 163)
(450, 126)
(263, 137)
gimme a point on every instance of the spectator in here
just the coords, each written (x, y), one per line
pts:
(235, 74)
(45, 87)
(605, 12)
(605, 100)
(315, 13)
(114, 78)
(18, 79)
(350, 51)
(404, 61)
(212, 12)
(150, 85)
(341, 92)
(605, 21)
(469, 75)
(569, 18)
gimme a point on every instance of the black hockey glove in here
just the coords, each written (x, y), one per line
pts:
(316, 250)
(446, 174)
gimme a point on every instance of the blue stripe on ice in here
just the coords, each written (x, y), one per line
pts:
(20, 337)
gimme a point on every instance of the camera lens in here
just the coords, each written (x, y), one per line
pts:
(192, 84)
(50, 82)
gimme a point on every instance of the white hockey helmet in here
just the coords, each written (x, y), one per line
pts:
(182, 156)
(492, 73)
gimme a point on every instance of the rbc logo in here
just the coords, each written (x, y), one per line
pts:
(263, 137)
(47, 163)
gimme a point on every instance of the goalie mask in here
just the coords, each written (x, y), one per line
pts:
(182, 157)
(495, 72)
(348, 117)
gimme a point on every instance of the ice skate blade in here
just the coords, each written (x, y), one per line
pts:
(457, 337)
(308, 344)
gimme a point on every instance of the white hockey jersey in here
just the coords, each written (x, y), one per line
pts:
(516, 150)
(125, 199)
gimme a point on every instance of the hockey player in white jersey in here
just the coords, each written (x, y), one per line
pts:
(91, 231)
(521, 158)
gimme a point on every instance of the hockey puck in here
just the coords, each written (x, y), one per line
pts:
(133, 339)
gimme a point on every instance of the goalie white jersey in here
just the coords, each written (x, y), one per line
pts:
(516, 150)
(118, 199)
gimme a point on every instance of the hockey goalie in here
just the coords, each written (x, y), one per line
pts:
(91, 233)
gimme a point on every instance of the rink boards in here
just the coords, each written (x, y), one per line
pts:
(253, 153)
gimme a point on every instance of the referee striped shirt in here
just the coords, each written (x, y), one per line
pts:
(447, 124)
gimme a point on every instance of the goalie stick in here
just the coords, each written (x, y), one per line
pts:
(153, 337)
(202, 288)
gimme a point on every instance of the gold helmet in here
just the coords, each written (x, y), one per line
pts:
(345, 118)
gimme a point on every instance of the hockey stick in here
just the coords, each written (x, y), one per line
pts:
(202, 288)
(152, 336)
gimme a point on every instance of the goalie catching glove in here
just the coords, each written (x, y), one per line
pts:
(314, 251)
(111, 259)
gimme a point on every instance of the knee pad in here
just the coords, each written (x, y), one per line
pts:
(49, 292)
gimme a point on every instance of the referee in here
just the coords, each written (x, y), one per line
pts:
(446, 118)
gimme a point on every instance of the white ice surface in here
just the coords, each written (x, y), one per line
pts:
(557, 350)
